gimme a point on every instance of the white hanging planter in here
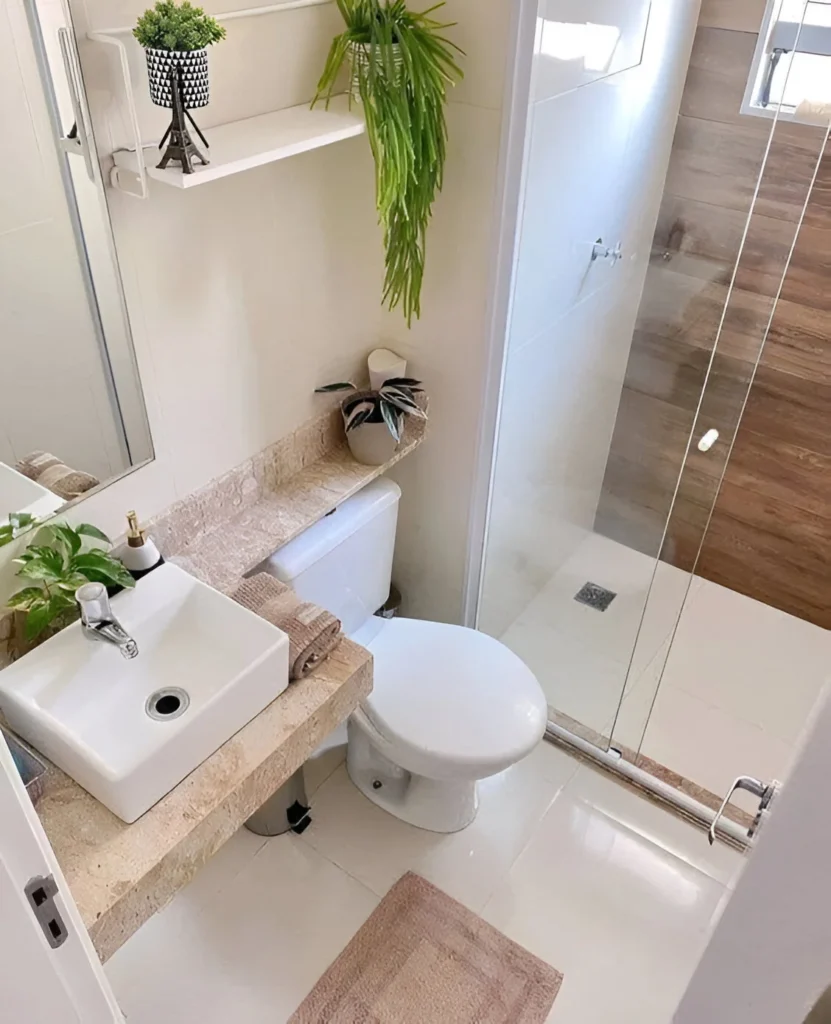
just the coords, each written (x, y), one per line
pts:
(359, 58)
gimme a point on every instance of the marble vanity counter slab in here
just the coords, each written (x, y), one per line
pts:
(120, 875)
(222, 556)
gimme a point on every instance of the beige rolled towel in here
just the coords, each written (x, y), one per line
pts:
(48, 471)
(313, 632)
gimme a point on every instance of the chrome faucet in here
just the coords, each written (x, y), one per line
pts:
(98, 623)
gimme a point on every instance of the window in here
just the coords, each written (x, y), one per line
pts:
(792, 64)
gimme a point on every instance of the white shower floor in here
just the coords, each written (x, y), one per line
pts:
(740, 681)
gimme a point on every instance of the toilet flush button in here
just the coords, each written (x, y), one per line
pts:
(707, 442)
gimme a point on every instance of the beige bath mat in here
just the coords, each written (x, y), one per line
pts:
(423, 958)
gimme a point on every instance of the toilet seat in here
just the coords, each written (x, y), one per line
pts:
(450, 702)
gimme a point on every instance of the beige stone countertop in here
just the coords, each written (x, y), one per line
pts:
(120, 875)
(223, 555)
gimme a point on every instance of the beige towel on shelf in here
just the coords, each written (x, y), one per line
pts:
(48, 471)
(313, 632)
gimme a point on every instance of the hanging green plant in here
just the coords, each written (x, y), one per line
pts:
(400, 67)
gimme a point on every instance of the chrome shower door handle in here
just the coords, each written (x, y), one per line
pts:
(746, 783)
(77, 141)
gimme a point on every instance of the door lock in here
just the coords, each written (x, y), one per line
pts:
(765, 793)
(41, 893)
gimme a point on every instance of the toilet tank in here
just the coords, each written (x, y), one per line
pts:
(344, 562)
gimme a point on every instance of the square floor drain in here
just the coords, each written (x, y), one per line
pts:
(595, 597)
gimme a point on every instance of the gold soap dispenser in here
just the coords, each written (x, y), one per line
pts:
(140, 554)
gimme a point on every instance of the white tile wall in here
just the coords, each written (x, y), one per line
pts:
(598, 158)
(579, 43)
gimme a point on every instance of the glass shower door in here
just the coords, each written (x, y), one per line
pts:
(620, 407)
(720, 531)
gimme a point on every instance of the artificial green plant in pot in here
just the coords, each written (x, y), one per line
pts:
(60, 559)
(375, 419)
(400, 66)
(178, 35)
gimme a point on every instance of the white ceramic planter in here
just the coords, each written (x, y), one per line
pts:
(372, 444)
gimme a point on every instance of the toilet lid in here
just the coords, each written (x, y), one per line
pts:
(454, 693)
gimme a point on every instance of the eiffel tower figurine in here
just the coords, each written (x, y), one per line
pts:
(181, 146)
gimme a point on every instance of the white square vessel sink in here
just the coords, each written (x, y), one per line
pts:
(93, 713)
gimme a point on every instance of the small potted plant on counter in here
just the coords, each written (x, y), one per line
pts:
(374, 419)
(400, 67)
(62, 559)
(178, 35)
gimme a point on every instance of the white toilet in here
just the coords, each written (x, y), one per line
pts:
(450, 705)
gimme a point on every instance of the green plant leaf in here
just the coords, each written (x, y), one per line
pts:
(404, 403)
(19, 522)
(88, 530)
(71, 583)
(67, 539)
(22, 520)
(37, 619)
(328, 388)
(41, 563)
(43, 614)
(99, 567)
(393, 419)
(359, 413)
(25, 598)
(172, 26)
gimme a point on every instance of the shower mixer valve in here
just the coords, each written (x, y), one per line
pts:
(606, 252)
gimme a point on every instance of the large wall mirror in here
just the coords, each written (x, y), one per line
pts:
(72, 414)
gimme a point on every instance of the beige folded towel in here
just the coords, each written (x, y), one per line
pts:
(48, 471)
(313, 632)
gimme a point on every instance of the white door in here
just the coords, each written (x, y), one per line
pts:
(769, 960)
(43, 980)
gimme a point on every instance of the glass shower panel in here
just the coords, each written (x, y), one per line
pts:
(739, 312)
(560, 590)
(604, 400)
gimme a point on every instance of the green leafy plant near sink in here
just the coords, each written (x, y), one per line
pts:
(63, 559)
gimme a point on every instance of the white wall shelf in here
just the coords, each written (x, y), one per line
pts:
(234, 147)
(254, 141)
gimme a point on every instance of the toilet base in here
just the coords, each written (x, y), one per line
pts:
(432, 804)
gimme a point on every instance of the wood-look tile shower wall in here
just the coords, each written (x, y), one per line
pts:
(770, 534)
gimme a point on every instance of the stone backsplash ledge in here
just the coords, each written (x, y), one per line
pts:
(226, 528)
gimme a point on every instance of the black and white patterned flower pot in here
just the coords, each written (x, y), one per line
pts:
(194, 65)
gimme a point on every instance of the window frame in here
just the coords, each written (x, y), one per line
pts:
(771, 27)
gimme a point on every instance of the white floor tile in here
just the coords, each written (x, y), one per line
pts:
(711, 747)
(605, 897)
(578, 681)
(633, 718)
(378, 849)
(754, 662)
(249, 953)
(582, 656)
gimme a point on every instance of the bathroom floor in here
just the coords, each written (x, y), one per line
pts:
(615, 892)
(740, 682)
